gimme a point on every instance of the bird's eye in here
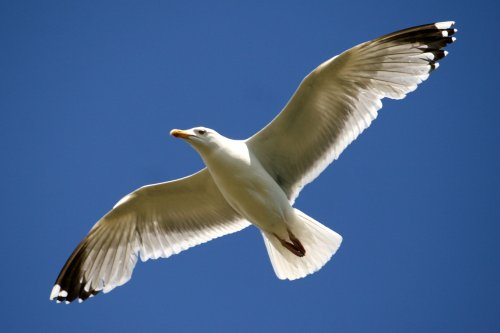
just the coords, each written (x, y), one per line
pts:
(202, 132)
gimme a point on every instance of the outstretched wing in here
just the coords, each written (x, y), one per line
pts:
(152, 222)
(341, 97)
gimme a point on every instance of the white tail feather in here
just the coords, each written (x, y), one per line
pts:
(320, 244)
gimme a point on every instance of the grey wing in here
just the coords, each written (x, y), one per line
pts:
(341, 97)
(152, 222)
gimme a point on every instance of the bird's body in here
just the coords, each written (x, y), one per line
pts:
(256, 181)
(247, 186)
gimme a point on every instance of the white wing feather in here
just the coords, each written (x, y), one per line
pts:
(340, 98)
(152, 222)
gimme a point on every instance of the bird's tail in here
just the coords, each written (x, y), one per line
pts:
(319, 242)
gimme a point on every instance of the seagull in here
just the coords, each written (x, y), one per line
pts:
(256, 181)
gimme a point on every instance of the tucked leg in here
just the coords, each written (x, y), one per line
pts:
(295, 246)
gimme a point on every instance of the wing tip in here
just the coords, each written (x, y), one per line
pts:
(54, 292)
(444, 24)
(60, 295)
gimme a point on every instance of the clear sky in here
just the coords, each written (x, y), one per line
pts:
(89, 91)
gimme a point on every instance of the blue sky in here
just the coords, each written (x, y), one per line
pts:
(90, 90)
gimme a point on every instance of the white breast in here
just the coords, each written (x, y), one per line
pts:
(247, 186)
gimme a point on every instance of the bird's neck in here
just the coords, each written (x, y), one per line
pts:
(227, 152)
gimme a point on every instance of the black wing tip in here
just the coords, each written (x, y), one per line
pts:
(62, 296)
(432, 38)
(447, 30)
(442, 25)
(434, 66)
(436, 30)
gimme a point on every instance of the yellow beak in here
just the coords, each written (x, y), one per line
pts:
(180, 133)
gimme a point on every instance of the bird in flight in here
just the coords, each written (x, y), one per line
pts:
(256, 181)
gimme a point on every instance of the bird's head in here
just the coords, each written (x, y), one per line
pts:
(201, 138)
